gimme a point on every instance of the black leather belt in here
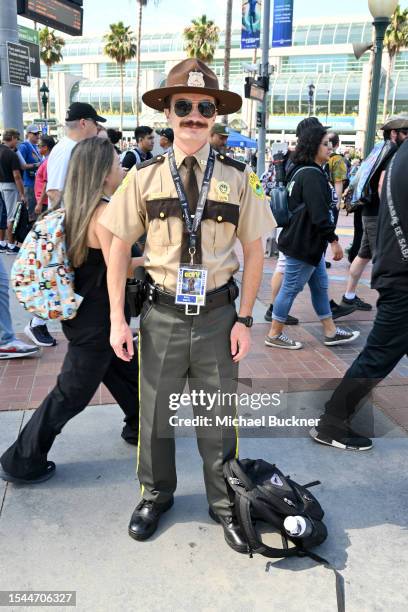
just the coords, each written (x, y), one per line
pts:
(226, 294)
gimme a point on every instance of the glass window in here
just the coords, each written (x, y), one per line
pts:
(299, 37)
(341, 35)
(327, 35)
(356, 32)
(353, 95)
(314, 35)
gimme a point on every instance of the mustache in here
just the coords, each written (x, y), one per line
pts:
(191, 124)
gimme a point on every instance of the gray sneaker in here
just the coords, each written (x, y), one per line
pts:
(282, 341)
(17, 348)
(342, 337)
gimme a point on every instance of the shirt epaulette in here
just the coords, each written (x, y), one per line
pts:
(158, 159)
(229, 161)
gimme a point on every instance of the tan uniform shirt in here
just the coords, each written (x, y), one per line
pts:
(147, 202)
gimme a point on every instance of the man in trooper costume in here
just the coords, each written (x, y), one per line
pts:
(193, 203)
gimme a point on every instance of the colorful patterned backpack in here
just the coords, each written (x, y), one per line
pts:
(42, 276)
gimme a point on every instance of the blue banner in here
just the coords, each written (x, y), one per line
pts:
(251, 24)
(282, 23)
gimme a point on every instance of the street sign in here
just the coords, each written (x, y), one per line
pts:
(41, 121)
(28, 34)
(18, 62)
(30, 39)
(63, 15)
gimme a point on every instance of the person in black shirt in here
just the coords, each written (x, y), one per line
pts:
(387, 342)
(305, 240)
(11, 185)
(143, 151)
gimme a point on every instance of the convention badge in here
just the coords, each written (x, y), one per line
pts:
(191, 287)
(256, 185)
(223, 190)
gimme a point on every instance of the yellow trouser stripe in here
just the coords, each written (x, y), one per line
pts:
(139, 353)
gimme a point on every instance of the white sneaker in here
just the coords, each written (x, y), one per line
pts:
(17, 348)
(282, 341)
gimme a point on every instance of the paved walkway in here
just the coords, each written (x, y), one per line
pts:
(70, 533)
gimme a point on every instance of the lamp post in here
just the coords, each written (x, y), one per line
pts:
(311, 96)
(381, 10)
(44, 99)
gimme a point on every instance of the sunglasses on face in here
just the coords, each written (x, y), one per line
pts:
(207, 109)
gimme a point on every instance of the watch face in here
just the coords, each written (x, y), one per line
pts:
(247, 321)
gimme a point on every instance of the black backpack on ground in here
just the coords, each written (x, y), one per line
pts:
(262, 493)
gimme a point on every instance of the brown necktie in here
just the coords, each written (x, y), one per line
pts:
(190, 183)
(191, 189)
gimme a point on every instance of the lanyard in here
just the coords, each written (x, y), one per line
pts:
(192, 226)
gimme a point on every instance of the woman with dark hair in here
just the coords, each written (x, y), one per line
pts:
(305, 240)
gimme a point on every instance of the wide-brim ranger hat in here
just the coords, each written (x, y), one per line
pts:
(396, 122)
(193, 76)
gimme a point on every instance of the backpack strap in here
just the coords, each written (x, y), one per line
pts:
(255, 545)
(340, 595)
(302, 205)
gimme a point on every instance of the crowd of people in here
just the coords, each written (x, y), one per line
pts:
(182, 211)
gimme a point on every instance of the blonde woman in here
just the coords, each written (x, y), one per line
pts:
(94, 173)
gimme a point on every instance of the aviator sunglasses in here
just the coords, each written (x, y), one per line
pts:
(207, 109)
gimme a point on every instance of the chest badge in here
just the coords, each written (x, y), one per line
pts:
(223, 190)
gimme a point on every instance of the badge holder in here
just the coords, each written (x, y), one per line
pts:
(191, 286)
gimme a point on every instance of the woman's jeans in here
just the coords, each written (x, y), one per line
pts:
(6, 327)
(297, 274)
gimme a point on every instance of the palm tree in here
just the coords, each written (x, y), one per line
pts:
(50, 49)
(121, 47)
(227, 47)
(201, 39)
(396, 37)
(141, 4)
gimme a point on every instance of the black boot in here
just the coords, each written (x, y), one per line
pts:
(232, 531)
(145, 518)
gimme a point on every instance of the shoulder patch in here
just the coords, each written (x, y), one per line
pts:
(229, 161)
(159, 159)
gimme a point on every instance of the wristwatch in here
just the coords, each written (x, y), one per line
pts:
(247, 321)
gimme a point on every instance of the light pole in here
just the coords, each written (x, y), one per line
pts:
(44, 99)
(11, 94)
(381, 10)
(311, 96)
(266, 19)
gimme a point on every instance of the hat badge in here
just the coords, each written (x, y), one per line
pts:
(195, 79)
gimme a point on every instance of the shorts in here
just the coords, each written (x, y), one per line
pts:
(10, 196)
(31, 201)
(369, 239)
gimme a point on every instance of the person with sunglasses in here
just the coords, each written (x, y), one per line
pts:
(194, 203)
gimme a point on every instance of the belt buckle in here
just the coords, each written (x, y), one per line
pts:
(192, 310)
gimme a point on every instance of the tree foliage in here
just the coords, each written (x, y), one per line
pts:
(201, 39)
